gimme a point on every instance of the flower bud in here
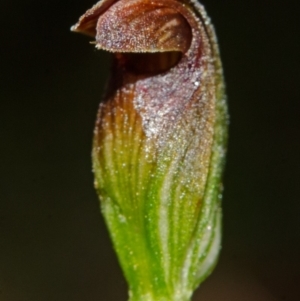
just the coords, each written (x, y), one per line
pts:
(159, 142)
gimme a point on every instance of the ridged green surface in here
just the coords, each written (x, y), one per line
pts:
(167, 237)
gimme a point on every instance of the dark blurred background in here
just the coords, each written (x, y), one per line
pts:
(53, 242)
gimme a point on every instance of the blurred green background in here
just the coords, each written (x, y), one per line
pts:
(53, 242)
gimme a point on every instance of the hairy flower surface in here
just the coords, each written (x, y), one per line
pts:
(159, 142)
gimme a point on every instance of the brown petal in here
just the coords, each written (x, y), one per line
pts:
(142, 26)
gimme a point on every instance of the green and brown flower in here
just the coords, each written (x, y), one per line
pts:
(159, 142)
